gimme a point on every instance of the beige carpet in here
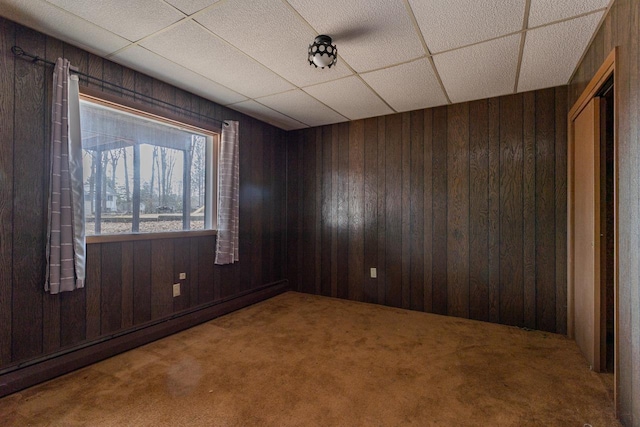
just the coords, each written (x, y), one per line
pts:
(299, 360)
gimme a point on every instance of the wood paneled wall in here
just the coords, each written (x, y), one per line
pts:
(461, 208)
(128, 283)
(620, 28)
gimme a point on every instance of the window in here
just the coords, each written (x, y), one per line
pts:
(144, 173)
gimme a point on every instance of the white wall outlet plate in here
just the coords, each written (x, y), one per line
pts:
(183, 276)
(374, 273)
(176, 290)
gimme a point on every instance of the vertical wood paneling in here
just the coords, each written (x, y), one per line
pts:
(111, 288)
(439, 204)
(370, 208)
(92, 286)
(7, 70)
(511, 211)
(416, 228)
(356, 211)
(561, 209)
(478, 211)
(206, 253)
(545, 210)
(309, 212)
(127, 284)
(393, 217)
(453, 206)
(141, 281)
(182, 264)
(529, 207)
(382, 212)
(458, 210)
(257, 206)
(406, 210)
(327, 209)
(123, 279)
(494, 209)
(342, 220)
(28, 200)
(428, 211)
(194, 272)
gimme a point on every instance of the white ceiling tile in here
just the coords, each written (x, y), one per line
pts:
(545, 11)
(448, 24)
(266, 114)
(193, 47)
(350, 97)
(191, 6)
(251, 27)
(132, 20)
(302, 107)
(147, 62)
(409, 86)
(63, 25)
(368, 35)
(552, 52)
(480, 71)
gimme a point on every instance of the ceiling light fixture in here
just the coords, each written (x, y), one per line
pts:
(322, 53)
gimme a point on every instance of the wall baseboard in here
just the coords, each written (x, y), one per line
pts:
(81, 356)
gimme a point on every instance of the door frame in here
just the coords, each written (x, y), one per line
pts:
(606, 70)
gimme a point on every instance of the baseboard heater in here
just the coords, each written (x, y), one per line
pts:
(53, 365)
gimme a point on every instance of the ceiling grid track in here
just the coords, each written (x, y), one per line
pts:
(180, 41)
(525, 24)
(426, 48)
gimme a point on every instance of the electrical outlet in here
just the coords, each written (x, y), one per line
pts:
(176, 290)
(374, 273)
(183, 276)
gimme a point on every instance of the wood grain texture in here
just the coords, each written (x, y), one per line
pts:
(451, 207)
(382, 214)
(545, 210)
(440, 207)
(126, 270)
(494, 208)
(416, 203)
(478, 211)
(7, 71)
(122, 278)
(393, 217)
(93, 316)
(28, 200)
(458, 210)
(561, 210)
(406, 210)
(111, 288)
(427, 252)
(529, 207)
(342, 212)
(327, 218)
(511, 211)
(356, 211)
(370, 208)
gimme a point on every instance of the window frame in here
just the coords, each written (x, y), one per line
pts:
(132, 106)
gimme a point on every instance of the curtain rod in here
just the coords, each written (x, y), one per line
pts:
(19, 52)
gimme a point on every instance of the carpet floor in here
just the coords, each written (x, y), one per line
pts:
(303, 360)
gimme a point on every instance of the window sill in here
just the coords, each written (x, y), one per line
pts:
(132, 237)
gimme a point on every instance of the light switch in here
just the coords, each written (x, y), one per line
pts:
(176, 290)
(183, 276)
(374, 273)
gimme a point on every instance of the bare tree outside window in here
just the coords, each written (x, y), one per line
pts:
(142, 175)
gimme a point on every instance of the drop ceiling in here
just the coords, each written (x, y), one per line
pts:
(394, 55)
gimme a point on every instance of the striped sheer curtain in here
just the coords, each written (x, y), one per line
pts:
(228, 195)
(65, 232)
